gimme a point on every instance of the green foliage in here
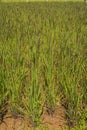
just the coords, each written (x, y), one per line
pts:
(43, 60)
(3, 84)
(40, 0)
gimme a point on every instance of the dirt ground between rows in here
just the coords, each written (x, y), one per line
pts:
(53, 122)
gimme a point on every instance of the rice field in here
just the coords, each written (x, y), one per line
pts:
(43, 61)
(42, 0)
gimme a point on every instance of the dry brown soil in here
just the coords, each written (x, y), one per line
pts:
(53, 122)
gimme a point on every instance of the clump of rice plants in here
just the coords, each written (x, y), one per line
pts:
(51, 87)
(3, 84)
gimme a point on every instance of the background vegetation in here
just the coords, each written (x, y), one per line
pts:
(43, 60)
(40, 0)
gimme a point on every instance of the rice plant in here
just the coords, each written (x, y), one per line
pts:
(51, 87)
(3, 85)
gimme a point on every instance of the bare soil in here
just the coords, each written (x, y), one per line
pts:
(58, 120)
(53, 122)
